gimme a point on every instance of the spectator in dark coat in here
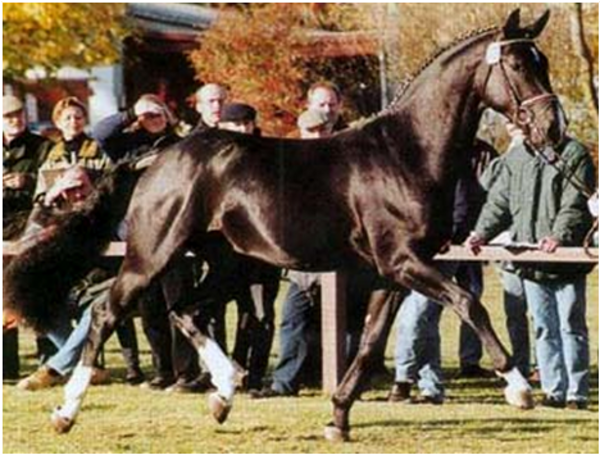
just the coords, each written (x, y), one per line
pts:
(146, 128)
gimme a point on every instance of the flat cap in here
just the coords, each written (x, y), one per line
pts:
(238, 112)
(10, 104)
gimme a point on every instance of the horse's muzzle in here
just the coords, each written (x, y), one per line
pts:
(544, 122)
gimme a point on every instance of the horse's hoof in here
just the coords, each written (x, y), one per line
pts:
(219, 407)
(61, 423)
(335, 434)
(520, 398)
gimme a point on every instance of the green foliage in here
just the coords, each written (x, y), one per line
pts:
(51, 35)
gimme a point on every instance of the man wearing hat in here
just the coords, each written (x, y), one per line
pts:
(238, 117)
(22, 154)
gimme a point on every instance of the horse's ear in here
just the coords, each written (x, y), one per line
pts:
(511, 27)
(534, 30)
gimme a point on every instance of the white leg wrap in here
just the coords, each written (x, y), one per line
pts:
(518, 391)
(220, 367)
(75, 392)
(515, 380)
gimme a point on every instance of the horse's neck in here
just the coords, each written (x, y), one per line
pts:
(443, 108)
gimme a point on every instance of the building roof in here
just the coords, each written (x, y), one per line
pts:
(181, 24)
(171, 19)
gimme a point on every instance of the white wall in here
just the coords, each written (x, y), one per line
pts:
(106, 86)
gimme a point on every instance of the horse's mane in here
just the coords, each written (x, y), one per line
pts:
(407, 82)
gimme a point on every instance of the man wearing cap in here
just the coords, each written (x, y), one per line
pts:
(148, 125)
(23, 153)
(210, 99)
(238, 117)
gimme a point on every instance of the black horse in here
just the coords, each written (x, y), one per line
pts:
(380, 193)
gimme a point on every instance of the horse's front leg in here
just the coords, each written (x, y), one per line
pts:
(382, 308)
(103, 324)
(222, 370)
(428, 281)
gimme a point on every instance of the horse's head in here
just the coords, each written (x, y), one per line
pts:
(516, 82)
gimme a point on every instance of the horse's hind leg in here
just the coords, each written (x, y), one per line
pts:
(222, 370)
(382, 308)
(433, 284)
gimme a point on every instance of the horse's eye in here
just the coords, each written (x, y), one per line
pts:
(516, 66)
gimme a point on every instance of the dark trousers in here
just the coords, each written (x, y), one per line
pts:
(254, 286)
(172, 354)
(10, 354)
(127, 337)
(256, 327)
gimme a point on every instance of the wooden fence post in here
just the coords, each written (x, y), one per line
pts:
(333, 332)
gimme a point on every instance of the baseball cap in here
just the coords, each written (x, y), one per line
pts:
(10, 104)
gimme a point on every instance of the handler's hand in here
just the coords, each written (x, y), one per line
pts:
(549, 244)
(474, 243)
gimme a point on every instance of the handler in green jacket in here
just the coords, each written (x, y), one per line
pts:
(539, 204)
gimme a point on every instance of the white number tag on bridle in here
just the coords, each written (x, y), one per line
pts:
(493, 53)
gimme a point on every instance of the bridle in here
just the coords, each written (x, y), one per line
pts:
(524, 117)
(523, 114)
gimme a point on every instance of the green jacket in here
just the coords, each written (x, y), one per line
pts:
(24, 154)
(533, 200)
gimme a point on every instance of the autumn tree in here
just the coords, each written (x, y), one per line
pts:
(265, 54)
(254, 51)
(51, 35)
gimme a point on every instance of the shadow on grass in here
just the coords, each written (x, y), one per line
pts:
(482, 426)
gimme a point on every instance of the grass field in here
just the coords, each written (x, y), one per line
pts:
(474, 419)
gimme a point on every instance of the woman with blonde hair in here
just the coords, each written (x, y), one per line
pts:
(75, 152)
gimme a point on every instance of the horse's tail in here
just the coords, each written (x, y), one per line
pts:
(38, 279)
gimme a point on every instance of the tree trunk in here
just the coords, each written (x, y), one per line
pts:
(584, 55)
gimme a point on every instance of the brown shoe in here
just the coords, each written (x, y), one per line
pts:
(534, 377)
(43, 378)
(577, 405)
(400, 393)
(100, 376)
